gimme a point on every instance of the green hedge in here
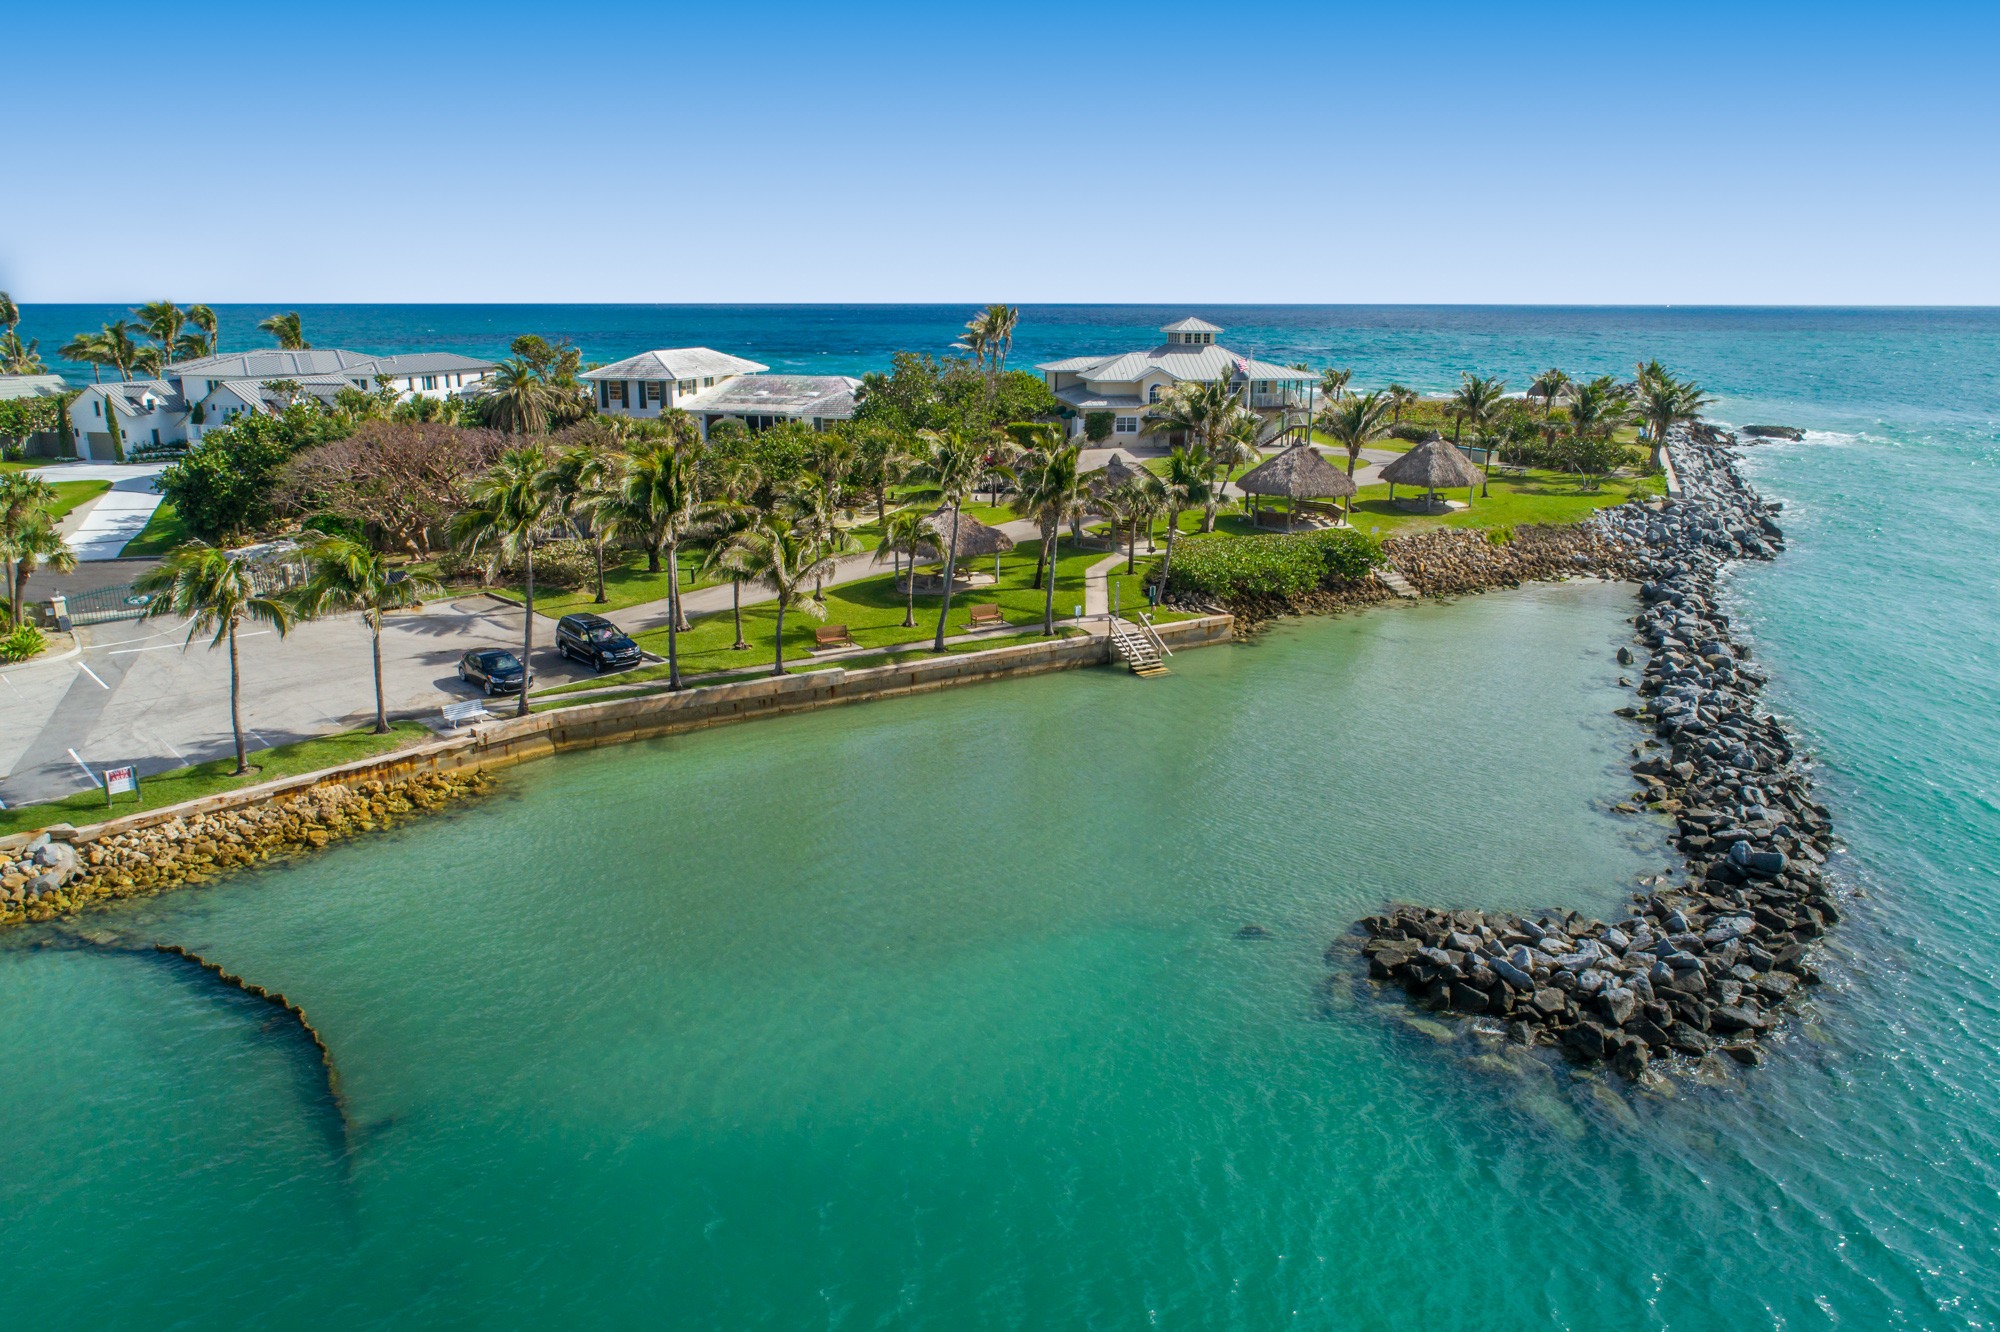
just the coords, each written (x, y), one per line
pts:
(1280, 565)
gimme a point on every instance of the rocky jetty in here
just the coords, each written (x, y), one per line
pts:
(1773, 432)
(1698, 971)
(51, 877)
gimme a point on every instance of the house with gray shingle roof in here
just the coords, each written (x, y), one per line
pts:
(714, 386)
(1127, 384)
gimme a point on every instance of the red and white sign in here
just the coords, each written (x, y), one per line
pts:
(120, 779)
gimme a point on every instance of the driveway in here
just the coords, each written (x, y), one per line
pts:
(136, 694)
(99, 530)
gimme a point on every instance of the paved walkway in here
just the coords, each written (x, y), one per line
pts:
(100, 529)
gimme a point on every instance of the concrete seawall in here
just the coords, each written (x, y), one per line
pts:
(505, 741)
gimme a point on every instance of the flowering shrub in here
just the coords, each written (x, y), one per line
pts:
(1279, 565)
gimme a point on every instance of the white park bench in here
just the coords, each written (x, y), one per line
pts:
(457, 714)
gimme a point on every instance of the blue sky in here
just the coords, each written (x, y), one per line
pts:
(1702, 153)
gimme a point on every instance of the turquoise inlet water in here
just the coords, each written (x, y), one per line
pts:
(930, 1014)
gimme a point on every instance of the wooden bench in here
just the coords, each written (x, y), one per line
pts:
(986, 615)
(469, 711)
(832, 636)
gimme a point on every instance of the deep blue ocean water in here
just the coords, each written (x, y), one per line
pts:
(769, 1074)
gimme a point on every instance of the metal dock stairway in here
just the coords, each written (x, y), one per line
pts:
(1139, 646)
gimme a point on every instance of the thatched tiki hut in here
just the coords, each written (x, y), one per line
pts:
(1114, 473)
(1297, 473)
(1436, 464)
(974, 539)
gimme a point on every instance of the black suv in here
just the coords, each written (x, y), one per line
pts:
(596, 641)
(495, 670)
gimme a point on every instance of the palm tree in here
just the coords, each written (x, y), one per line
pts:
(582, 486)
(1185, 485)
(1549, 385)
(1399, 398)
(1000, 323)
(287, 330)
(1356, 422)
(661, 485)
(783, 556)
(732, 512)
(1666, 402)
(518, 399)
(10, 313)
(1596, 410)
(1052, 492)
(87, 349)
(881, 458)
(18, 357)
(163, 322)
(215, 594)
(201, 342)
(120, 351)
(1333, 383)
(26, 505)
(347, 576)
(903, 535)
(975, 338)
(1474, 404)
(952, 464)
(28, 547)
(509, 508)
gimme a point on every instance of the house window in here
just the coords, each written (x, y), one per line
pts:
(97, 409)
(655, 391)
(684, 386)
(1126, 425)
(430, 381)
(616, 388)
(1153, 393)
(708, 381)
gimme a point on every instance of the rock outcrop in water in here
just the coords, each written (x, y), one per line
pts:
(1697, 971)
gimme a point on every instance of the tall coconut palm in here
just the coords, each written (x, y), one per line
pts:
(583, 486)
(659, 497)
(120, 350)
(1597, 409)
(344, 576)
(1185, 485)
(503, 524)
(1474, 405)
(952, 465)
(201, 342)
(739, 481)
(1356, 422)
(10, 313)
(1666, 402)
(1052, 492)
(162, 322)
(903, 535)
(217, 595)
(1399, 397)
(784, 556)
(87, 349)
(974, 339)
(287, 329)
(1001, 320)
(1333, 383)
(1548, 386)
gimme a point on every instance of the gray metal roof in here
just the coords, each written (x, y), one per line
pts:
(676, 363)
(130, 396)
(804, 396)
(272, 364)
(1190, 325)
(1081, 397)
(30, 386)
(430, 363)
(1179, 361)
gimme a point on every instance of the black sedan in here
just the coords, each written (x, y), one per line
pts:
(495, 670)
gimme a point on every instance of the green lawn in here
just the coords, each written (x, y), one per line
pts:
(1537, 496)
(163, 531)
(626, 583)
(872, 610)
(71, 494)
(213, 777)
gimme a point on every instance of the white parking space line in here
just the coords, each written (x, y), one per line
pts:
(93, 675)
(157, 647)
(85, 766)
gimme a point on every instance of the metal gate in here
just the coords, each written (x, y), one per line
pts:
(104, 604)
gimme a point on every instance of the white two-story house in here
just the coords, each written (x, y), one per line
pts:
(1128, 384)
(713, 386)
(191, 397)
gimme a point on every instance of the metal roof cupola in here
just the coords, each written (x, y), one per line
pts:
(1190, 332)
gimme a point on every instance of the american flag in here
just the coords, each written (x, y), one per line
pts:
(1243, 366)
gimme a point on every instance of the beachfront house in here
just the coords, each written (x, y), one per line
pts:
(1129, 384)
(190, 397)
(713, 386)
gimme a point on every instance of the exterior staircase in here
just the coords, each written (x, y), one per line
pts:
(1139, 649)
(1386, 575)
